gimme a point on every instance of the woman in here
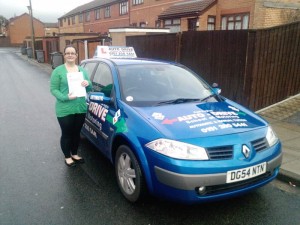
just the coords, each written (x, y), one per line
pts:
(70, 108)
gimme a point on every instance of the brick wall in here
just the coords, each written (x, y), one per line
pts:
(103, 24)
(72, 28)
(20, 27)
(149, 11)
(267, 16)
(144, 13)
(203, 18)
(226, 7)
(5, 42)
(260, 16)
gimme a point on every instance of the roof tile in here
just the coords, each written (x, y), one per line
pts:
(187, 7)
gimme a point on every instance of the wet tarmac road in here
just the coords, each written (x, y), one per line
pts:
(36, 187)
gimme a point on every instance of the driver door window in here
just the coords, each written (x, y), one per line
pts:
(102, 81)
(89, 67)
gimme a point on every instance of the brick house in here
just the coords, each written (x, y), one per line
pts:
(51, 29)
(19, 28)
(229, 14)
(100, 16)
(178, 15)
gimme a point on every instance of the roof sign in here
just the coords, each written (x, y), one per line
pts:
(114, 52)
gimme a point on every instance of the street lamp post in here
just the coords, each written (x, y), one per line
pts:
(32, 29)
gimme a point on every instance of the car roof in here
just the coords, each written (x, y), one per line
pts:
(129, 61)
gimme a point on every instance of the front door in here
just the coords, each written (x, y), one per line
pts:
(99, 115)
(192, 24)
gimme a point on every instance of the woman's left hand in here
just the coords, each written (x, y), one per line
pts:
(84, 83)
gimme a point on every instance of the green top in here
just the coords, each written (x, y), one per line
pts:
(59, 88)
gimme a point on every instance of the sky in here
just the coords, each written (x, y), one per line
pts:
(47, 11)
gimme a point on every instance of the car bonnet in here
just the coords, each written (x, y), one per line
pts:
(192, 120)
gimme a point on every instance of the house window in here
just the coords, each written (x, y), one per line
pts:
(69, 21)
(97, 14)
(137, 2)
(211, 23)
(235, 22)
(107, 12)
(73, 19)
(60, 22)
(123, 8)
(173, 25)
(80, 18)
(172, 22)
(168, 22)
(176, 21)
(87, 16)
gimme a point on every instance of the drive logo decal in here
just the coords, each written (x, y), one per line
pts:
(98, 110)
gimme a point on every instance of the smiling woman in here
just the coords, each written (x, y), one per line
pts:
(70, 106)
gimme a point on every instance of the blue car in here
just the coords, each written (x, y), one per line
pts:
(168, 133)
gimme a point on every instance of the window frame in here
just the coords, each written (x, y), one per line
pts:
(97, 14)
(232, 21)
(137, 2)
(80, 18)
(73, 20)
(211, 24)
(172, 22)
(98, 76)
(107, 12)
(87, 16)
(123, 8)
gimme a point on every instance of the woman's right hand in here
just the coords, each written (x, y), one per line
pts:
(72, 96)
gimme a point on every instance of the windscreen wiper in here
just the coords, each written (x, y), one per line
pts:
(178, 101)
(208, 97)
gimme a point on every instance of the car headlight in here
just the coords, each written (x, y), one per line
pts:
(271, 137)
(178, 150)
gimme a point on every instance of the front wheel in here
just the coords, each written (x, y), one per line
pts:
(129, 175)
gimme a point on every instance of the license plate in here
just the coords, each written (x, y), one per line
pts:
(246, 173)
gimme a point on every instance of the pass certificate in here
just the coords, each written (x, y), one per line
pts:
(74, 82)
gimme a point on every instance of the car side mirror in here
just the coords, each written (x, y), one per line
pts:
(99, 97)
(216, 88)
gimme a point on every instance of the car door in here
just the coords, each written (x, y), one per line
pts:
(100, 115)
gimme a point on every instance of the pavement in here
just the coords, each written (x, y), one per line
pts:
(284, 118)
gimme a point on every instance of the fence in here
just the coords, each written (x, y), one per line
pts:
(256, 68)
(5, 42)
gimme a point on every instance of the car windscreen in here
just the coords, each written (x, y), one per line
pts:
(152, 84)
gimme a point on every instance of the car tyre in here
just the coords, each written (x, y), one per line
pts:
(129, 175)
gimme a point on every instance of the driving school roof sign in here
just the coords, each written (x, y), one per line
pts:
(114, 52)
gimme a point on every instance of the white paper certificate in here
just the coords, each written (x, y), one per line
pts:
(74, 82)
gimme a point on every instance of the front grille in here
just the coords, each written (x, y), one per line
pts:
(217, 189)
(219, 153)
(260, 144)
